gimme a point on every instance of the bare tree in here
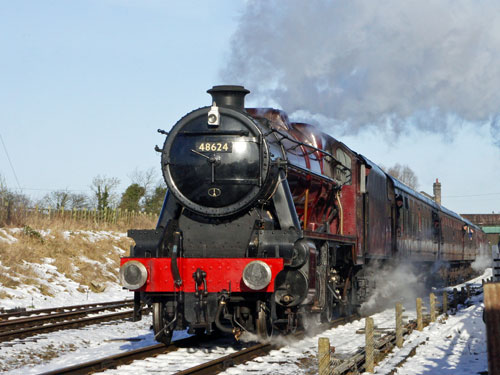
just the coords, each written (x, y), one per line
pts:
(64, 198)
(12, 205)
(404, 174)
(145, 179)
(104, 191)
(79, 201)
(57, 199)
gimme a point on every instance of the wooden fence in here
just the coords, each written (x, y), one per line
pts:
(11, 214)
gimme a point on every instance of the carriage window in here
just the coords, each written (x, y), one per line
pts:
(343, 171)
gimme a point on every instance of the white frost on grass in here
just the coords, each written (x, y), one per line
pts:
(65, 291)
(5, 236)
(93, 235)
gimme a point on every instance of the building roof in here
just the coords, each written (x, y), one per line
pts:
(490, 230)
(491, 220)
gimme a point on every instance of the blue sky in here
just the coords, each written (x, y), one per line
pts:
(84, 85)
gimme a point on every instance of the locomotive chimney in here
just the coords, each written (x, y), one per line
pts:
(229, 96)
(436, 188)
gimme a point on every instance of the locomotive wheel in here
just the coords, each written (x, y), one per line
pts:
(264, 325)
(352, 306)
(159, 323)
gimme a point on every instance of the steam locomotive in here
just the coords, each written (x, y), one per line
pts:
(267, 221)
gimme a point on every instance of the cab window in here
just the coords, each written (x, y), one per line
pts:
(343, 170)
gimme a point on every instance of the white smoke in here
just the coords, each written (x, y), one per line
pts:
(393, 283)
(372, 63)
(484, 259)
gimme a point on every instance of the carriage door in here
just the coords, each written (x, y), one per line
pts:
(436, 232)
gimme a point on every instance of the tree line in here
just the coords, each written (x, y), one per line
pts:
(145, 193)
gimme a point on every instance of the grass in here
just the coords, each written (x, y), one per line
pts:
(83, 253)
(115, 220)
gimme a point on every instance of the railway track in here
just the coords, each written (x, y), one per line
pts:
(225, 361)
(352, 365)
(61, 318)
(210, 367)
(123, 358)
(51, 310)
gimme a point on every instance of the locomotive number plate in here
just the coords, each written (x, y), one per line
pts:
(214, 146)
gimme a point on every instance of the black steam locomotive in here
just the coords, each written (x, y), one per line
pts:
(267, 221)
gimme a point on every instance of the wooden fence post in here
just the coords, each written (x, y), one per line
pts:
(324, 355)
(420, 323)
(399, 325)
(445, 303)
(492, 319)
(432, 299)
(369, 345)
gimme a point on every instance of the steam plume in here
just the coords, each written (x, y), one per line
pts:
(392, 283)
(380, 63)
(484, 259)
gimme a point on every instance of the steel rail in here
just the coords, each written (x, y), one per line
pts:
(116, 360)
(50, 310)
(31, 331)
(210, 367)
(221, 364)
(13, 324)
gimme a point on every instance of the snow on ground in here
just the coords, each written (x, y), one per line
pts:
(93, 236)
(66, 291)
(5, 236)
(452, 346)
(51, 351)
